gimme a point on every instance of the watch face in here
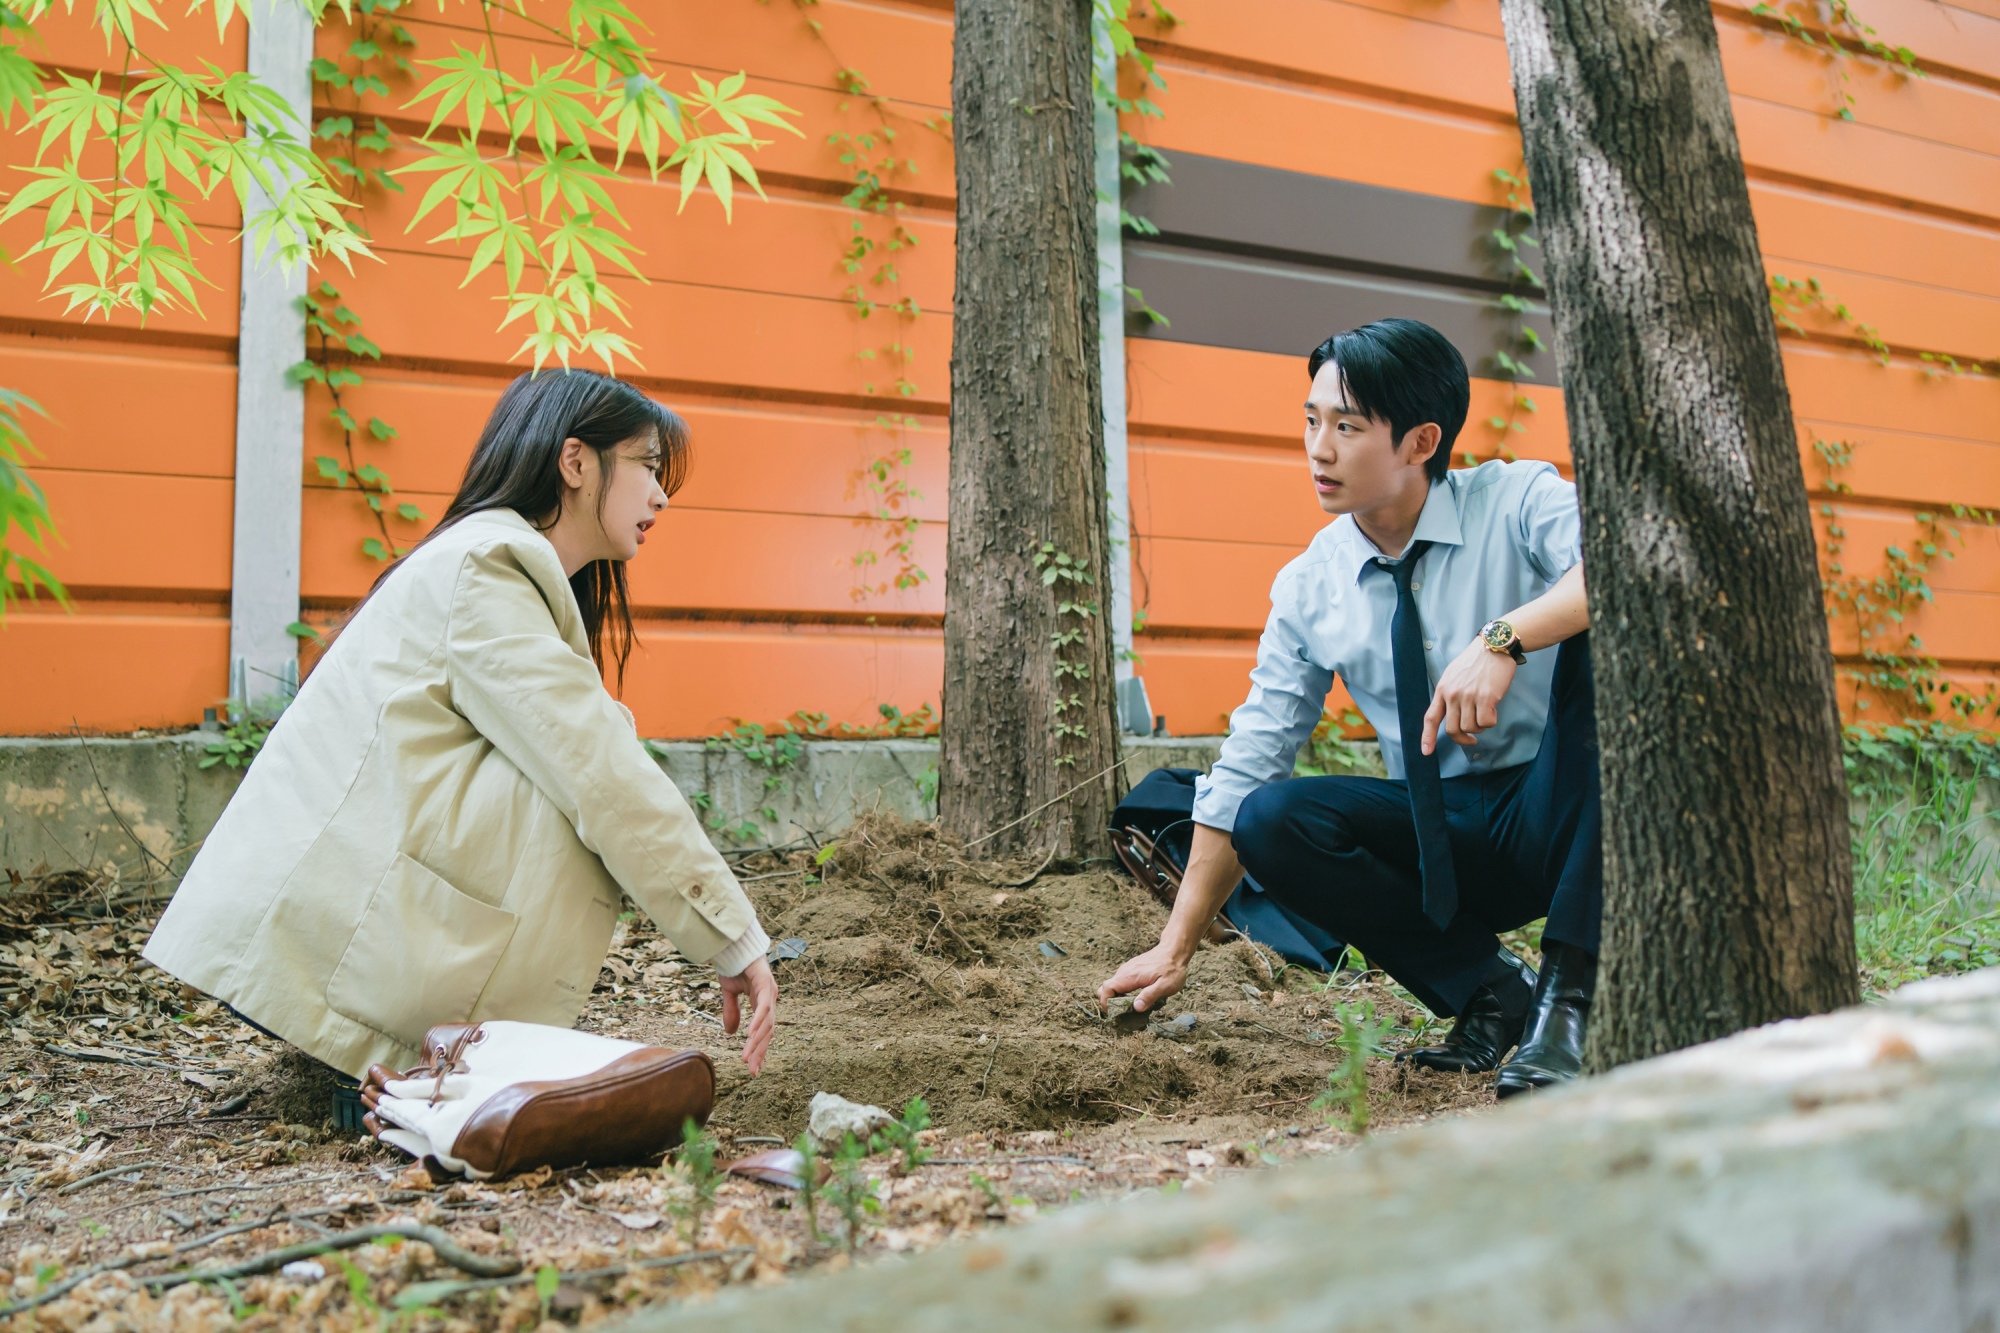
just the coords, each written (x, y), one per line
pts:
(1498, 635)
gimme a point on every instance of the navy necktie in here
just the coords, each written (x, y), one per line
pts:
(1420, 770)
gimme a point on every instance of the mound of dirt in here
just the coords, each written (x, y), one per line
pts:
(972, 984)
(291, 1085)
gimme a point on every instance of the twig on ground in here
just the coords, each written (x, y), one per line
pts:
(1006, 1161)
(1135, 1110)
(1288, 1101)
(443, 1246)
(275, 1219)
(104, 1057)
(936, 989)
(182, 1063)
(76, 1280)
(444, 1290)
(241, 1185)
(134, 1050)
(47, 1147)
(1316, 1045)
(943, 923)
(991, 1057)
(87, 1181)
(745, 853)
(64, 1287)
(189, 1122)
(1095, 777)
(1034, 875)
(1256, 949)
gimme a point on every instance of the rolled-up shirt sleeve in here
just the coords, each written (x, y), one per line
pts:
(1287, 695)
(1549, 528)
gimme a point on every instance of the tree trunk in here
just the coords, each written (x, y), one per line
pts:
(1029, 726)
(1728, 884)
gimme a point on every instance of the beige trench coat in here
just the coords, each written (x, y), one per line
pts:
(438, 828)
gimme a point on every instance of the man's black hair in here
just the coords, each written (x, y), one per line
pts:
(1405, 373)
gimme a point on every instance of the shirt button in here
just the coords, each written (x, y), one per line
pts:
(1430, 645)
(1416, 585)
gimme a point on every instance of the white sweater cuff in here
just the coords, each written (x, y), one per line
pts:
(753, 945)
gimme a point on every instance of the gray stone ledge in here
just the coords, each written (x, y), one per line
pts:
(68, 804)
(137, 807)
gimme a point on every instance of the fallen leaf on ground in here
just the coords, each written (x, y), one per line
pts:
(636, 1221)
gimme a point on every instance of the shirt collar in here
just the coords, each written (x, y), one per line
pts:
(1437, 524)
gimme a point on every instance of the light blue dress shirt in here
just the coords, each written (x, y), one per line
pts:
(1500, 534)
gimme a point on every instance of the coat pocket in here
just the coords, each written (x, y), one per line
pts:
(421, 955)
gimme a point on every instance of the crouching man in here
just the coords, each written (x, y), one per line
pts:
(1452, 605)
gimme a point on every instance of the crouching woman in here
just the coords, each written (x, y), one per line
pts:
(439, 827)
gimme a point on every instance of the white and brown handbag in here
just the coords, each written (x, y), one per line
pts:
(498, 1097)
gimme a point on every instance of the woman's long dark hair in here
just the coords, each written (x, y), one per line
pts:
(514, 466)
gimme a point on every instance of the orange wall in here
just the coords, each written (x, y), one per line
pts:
(748, 608)
(1897, 212)
(138, 455)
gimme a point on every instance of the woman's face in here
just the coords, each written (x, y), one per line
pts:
(632, 498)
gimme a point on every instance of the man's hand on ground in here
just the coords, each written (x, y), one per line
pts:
(1468, 695)
(1154, 975)
(756, 984)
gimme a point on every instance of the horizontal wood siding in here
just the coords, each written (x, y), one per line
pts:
(138, 453)
(751, 602)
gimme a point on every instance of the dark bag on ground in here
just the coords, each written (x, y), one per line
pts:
(1152, 831)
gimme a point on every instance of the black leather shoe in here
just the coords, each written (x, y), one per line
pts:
(1552, 1050)
(1488, 1026)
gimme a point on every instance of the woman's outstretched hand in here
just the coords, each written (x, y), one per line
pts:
(757, 984)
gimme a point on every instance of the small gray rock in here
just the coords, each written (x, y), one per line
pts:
(831, 1118)
(1129, 1020)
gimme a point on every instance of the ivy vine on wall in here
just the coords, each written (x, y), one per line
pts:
(355, 147)
(879, 170)
(1139, 164)
(1510, 243)
(1831, 29)
(1895, 663)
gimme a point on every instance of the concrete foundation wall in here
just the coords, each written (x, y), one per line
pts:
(135, 810)
(1834, 1175)
(138, 808)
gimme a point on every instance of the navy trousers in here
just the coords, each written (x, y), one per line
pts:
(1527, 842)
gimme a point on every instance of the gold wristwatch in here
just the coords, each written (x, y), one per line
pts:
(1499, 637)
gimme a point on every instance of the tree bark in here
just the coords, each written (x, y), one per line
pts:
(1728, 884)
(1029, 723)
